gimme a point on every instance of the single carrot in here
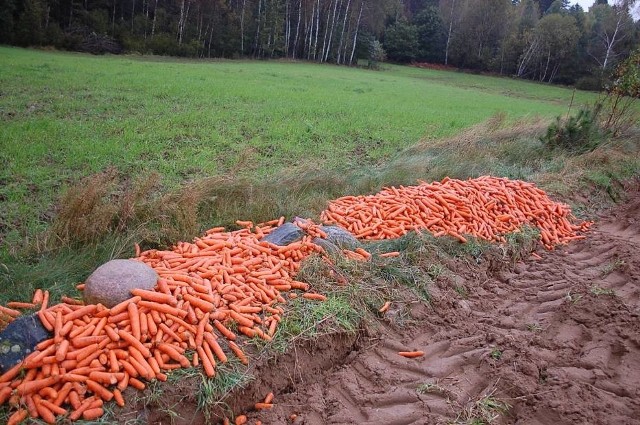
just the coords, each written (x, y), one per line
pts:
(313, 296)
(215, 347)
(154, 296)
(117, 396)
(17, 417)
(224, 331)
(38, 296)
(411, 354)
(56, 410)
(208, 367)
(5, 393)
(268, 398)
(62, 349)
(21, 305)
(136, 383)
(99, 390)
(385, 307)
(91, 414)
(134, 342)
(263, 406)
(134, 317)
(162, 308)
(72, 301)
(9, 311)
(238, 352)
(36, 385)
(241, 420)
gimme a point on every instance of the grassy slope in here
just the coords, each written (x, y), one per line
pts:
(65, 116)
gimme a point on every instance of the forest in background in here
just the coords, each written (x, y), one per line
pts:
(543, 40)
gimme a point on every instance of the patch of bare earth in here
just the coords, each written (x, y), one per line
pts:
(551, 341)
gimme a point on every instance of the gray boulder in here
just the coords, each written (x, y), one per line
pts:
(284, 235)
(340, 237)
(19, 339)
(112, 282)
(329, 248)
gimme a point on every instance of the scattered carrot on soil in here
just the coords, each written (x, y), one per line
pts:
(411, 354)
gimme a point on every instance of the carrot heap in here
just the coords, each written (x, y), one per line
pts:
(221, 281)
(486, 207)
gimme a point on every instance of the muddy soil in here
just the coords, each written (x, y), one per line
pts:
(554, 340)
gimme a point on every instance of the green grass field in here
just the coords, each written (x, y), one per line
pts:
(66, 116)
(97, 153)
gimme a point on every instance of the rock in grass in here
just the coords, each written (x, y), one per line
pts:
(340, 237)
(112, 282)
(284, 235)
(329, 248)
(19, 339)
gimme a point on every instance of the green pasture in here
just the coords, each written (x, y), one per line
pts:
(67, 115)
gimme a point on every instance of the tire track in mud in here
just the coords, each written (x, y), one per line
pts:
(558, 339)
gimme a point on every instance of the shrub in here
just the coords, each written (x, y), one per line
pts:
(578, 134)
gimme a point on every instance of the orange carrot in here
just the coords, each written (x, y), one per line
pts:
(385, 307)
(208, 367)
(5, 393)
(99, 390)
(241, 420)
(134, 342)
(72, 301)
(312, 296)
(411, 354)
(174, 354)
(17, 417)
(162, 308)
(134, 317)
(36, 385)
(215, 347)
(43, 411)
(224, 331)
(154, 296)
(56, 410)
(268, 398)
(17, 304)
(263, 406)
(117, 396)
(91, 414)
(122, 307)
(9, 311)
(238, 352)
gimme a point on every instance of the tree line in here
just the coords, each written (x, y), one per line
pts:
(544, 40)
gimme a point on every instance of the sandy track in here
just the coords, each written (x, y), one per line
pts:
(558, 339)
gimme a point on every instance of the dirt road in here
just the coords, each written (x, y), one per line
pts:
(554, 341)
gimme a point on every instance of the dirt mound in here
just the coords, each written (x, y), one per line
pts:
(555, 340)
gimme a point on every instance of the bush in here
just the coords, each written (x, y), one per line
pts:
(376, 54)
(578, 134)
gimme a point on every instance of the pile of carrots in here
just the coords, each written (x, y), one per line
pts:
(204, 286)
(486, 207)
(225, 283)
